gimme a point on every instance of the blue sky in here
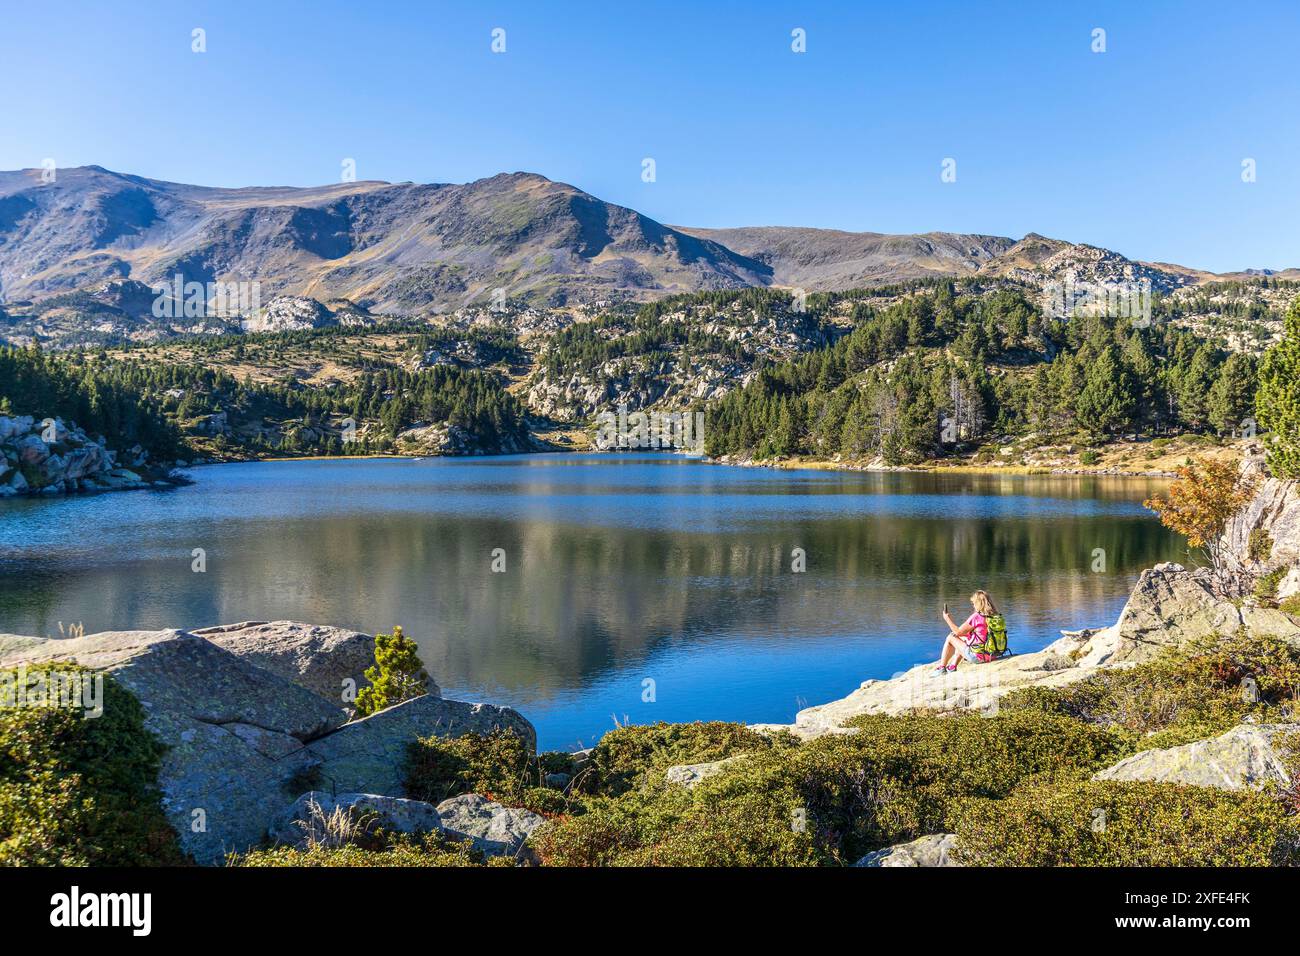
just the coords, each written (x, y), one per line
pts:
(1138, 149)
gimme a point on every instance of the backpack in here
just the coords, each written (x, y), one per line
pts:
(995, 640)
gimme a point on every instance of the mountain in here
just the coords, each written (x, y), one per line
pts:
(395, 248)
(79, 255)
(831, 261)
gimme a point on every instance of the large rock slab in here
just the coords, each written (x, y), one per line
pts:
(490, 827)
(1170, 607)
(324, 660)
(933, 850)
(367, 756)
(234, 732)
(1248, 757)
(178, 672)
(970, 687)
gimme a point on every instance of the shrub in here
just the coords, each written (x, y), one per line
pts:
(78, 790)
(829, 800)
(1291, 605)
(1089, 457)
(1266, 584)
(1127, 824)
(626, 753)
(1259, 546)
(1206, 495)
(398, 674)
(429, 850)
(1182, 696)
(497, 764)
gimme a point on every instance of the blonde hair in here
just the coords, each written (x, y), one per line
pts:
(983, 603)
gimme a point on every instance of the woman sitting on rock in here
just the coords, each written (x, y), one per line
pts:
(981, 639)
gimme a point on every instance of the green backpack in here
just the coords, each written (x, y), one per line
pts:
(995, 643)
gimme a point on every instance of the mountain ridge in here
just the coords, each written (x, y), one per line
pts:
(412, 249)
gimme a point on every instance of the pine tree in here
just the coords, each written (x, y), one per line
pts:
(1233, 393)
(1277, 402)
(1106, 403)
(398, 674)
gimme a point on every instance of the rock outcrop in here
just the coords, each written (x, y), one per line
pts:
(1173, 607)
(243, 738)
(52, 458)
(1273, 516)
(490, 827)
(1248, 757)
(1170, 607)
(933, 850)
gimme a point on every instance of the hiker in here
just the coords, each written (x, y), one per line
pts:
(982, 638)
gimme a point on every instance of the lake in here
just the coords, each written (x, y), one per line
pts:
(635, 587)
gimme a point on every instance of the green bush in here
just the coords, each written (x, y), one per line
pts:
(428, 850)
(497, 765)
(1182, 696)
(626, 753)
(1266, 584)
(77, 790)
(1127, 824)
(829, 800)
(1089, 457)
(1259, 546)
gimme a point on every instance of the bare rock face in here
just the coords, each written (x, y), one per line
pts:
(1274, 511)
(933, 850)
(289, 313)
(490, 827)
(318, 658)
(1248, 757)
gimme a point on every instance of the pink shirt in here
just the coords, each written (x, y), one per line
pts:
(979, 629)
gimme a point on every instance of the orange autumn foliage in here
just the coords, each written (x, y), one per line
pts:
(1206, 495)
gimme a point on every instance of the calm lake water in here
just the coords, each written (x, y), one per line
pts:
(619, 569)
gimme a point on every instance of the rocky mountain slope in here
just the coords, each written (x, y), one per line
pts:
(826, 260)
(79, 255)
(400, 248)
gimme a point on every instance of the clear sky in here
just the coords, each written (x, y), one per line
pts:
(1139, 148)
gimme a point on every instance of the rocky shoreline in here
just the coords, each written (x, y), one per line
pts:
(51, 457)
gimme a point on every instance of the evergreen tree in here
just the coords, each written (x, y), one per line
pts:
(398, 674)
(1277, 402)
(1106, 403)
